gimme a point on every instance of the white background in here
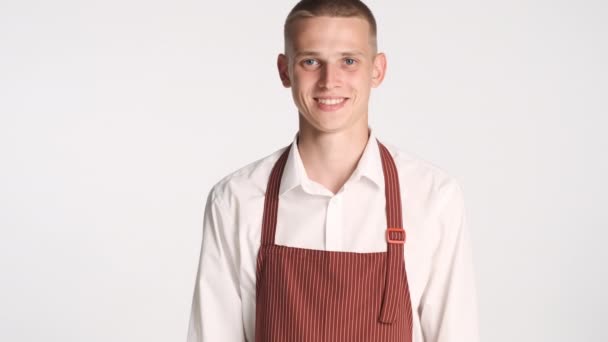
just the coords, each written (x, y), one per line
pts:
(117, 117)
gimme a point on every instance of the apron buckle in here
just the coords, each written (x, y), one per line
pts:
(395, 235)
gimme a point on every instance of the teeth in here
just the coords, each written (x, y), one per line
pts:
(330, 101)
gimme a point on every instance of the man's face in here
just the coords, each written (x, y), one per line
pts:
(331, 67)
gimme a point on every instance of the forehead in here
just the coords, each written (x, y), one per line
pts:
(330, 33)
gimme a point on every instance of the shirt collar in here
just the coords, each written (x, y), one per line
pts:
(369, 166)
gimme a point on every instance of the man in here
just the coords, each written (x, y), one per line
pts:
(336, 237)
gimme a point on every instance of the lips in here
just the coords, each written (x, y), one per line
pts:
(330, 101)
(330, 104)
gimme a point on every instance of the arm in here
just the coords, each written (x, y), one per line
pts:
(216, 306)
(449, 303)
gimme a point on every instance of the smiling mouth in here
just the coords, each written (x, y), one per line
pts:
(331, 101)
(330, 104)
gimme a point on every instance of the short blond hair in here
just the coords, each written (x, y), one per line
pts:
(330, 8)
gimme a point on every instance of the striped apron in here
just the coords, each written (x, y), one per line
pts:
(329, 296)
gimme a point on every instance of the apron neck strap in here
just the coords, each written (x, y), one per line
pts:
(271, 200)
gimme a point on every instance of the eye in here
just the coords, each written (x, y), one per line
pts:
(310, 62)
(350, 61)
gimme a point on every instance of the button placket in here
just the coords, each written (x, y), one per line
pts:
(334, 233)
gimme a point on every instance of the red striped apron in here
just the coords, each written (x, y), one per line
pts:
(328, 296)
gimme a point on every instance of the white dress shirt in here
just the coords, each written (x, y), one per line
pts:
(437, 252)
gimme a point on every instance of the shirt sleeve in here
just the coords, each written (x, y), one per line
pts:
(216, 305)
(449, 303)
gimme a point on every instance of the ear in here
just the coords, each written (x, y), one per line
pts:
(379, 69)
(283, 66)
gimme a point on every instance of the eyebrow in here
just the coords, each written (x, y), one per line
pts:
(316, 54)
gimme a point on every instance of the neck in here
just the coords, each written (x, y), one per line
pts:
(331, 158)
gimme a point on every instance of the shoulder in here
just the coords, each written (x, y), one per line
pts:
(249, 181)
(425, 183)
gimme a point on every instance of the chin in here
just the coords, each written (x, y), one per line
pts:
(332, 126)
(328, 122)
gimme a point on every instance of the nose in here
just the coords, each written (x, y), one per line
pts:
(330, 76)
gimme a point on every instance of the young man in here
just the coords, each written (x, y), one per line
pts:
(336, 237)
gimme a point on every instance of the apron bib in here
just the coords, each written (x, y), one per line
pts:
(328, 296)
